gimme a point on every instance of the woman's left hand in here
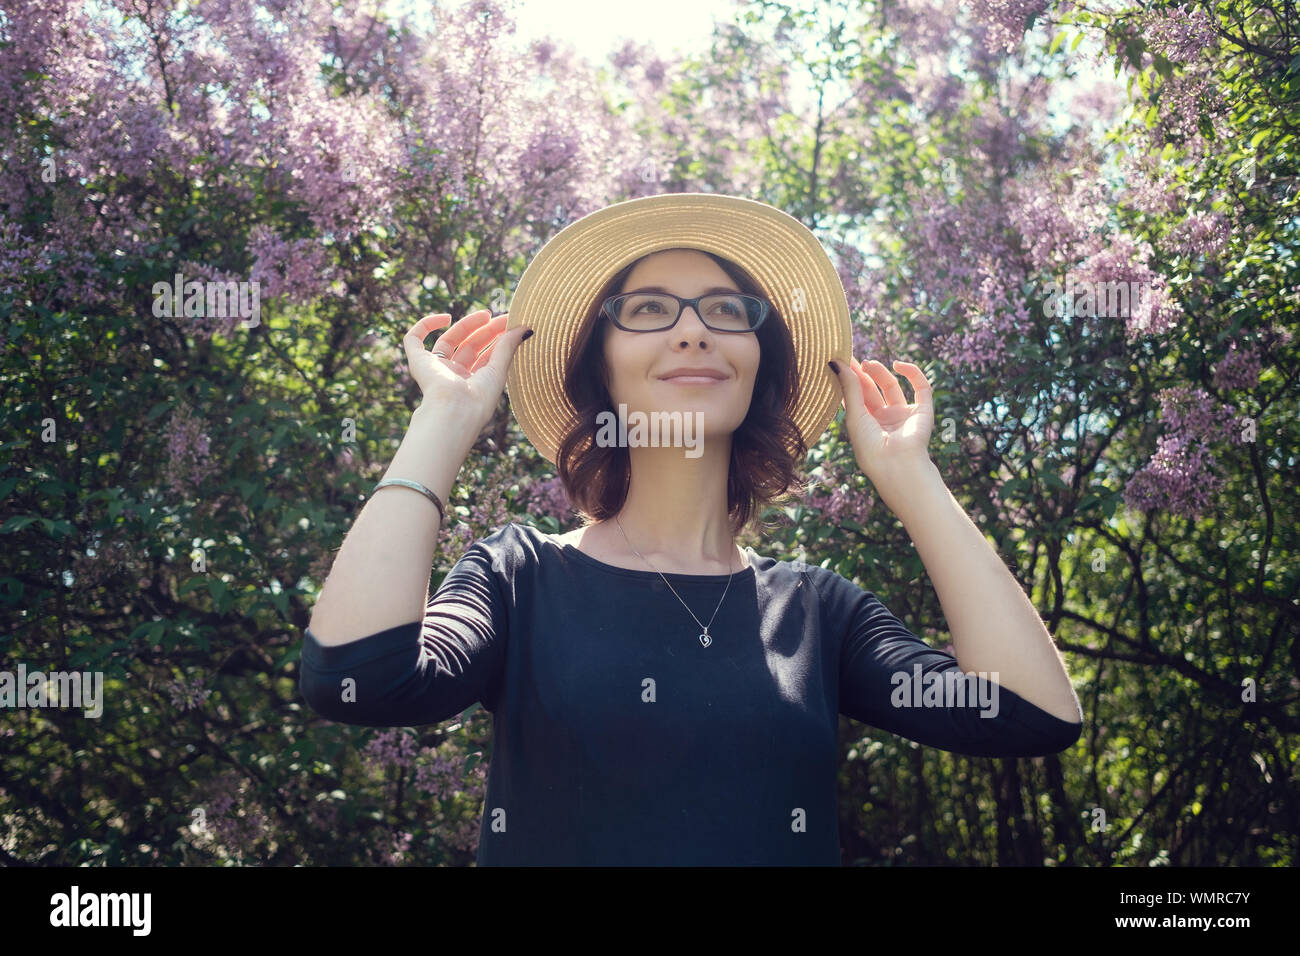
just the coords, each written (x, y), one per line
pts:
(890, 437)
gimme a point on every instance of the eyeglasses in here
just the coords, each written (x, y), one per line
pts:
(656, 311)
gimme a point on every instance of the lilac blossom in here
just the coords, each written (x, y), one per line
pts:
(296, 269)
(391, 747)
(1239, 368)
(835, 492)
(236, 820)
(1181, 477)
(548, 497)
(1201, 234)
(188, 694)
(188, 462)
(1004, 20)
(1179, 33)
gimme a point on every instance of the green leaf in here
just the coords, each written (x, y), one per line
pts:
(289, 657)
(17, 523)
(221, 596)
(11, 590)
(1012, 486)
(195, 582)
(149, 630)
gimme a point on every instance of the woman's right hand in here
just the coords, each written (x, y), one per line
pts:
(477, 351)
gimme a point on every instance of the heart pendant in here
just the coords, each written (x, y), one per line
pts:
(705, 639)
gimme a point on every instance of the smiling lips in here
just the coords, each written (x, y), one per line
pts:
(693, 376)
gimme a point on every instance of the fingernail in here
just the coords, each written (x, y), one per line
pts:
(524, 337)
(834, 368)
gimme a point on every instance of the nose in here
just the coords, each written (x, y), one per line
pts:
(691, 328)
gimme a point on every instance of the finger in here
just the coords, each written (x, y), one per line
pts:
(451, 340)
(922, 393)
(502, 350)
(430, 323)
(860, 393)
(474, 345)
(413, 340)
(887, 381)
(850, 388)
(484, 357)
(870, 390)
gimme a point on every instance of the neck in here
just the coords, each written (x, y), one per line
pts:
(676, 506)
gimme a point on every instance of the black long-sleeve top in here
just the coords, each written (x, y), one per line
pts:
(620, 739)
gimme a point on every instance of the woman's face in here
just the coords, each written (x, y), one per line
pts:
(638, 361)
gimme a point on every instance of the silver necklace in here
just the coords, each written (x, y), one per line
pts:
(704, 636)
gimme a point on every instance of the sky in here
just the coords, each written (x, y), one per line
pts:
(598, 27)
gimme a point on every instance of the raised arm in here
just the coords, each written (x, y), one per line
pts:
(380, 578)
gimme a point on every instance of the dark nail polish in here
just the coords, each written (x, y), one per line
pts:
(834, 368)
(524, 337)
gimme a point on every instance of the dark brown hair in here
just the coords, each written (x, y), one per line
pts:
(766, 448)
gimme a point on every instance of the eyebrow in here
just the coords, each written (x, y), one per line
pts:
(658, 288)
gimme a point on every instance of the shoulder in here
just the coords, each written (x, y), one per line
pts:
(795, 572)
(510, 547)
(833, 588)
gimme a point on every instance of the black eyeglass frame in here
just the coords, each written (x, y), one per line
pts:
(608, 310)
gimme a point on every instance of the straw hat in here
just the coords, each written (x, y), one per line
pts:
(560, 286)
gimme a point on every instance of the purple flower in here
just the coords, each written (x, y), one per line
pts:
(188, 446)
(548, 497)
(395, 746)
(232, 815)
(1004, 20)
(188, 695)
(1178, 33)
(1180, 477)
(1201, 234)
(1239, 368)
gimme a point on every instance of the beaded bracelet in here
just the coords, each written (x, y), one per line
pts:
(414, 486)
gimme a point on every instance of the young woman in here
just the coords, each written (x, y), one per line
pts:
(661, 696)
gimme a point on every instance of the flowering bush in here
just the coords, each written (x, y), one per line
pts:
(177, 481)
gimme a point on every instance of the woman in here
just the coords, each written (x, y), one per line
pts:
(659, 695)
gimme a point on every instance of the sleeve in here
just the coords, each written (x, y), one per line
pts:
(422, 672)
(893, 680)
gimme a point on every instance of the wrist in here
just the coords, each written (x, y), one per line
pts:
(454, 427)
(434, 448)
(909, 483)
